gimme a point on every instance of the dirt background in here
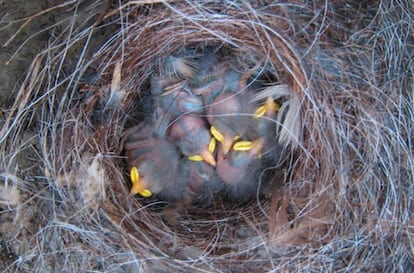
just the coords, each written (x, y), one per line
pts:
(25, 29)
(17, 54)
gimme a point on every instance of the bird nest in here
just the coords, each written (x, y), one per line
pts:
(341, 200)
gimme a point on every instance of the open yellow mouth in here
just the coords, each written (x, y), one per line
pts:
(206, 155)
(242, 146)
(216, 134)
(254, 146)
(226, 142)
(138, 186)
(212, 145)
(269, 106)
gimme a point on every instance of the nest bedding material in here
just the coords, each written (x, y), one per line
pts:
(346, 199)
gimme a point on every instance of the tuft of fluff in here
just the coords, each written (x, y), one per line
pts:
(9, 195)
(178, 67)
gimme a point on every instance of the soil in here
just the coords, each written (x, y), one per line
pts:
(18, 51)
(20, 44)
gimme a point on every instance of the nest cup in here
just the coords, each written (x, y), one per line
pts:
(145, 47)
(342, 197)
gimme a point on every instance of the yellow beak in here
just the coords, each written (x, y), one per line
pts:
(208, 157)
(139, 186)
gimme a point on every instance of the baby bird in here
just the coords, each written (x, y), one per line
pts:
(175, 101)
(171, 94)
(153, 164)
(264, 125)
(240, 170)
(163, 173)
(194, 139)
(230, 115)
(204, 183)
(209, 82)
(288, 116)
(157, 167)
(265, 116)
(218, 78)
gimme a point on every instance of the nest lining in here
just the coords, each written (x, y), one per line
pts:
(348, 185)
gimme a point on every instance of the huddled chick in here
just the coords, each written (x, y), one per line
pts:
(197, 102)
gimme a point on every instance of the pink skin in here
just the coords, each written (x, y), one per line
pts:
(238, 166)
(193, 137)
(230, 114)
(228, 173)
(199, 173)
